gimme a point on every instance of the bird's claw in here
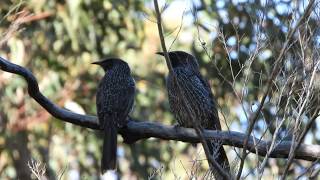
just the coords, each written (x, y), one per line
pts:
(176, 126)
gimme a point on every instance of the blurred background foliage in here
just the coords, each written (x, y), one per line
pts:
(59, 39)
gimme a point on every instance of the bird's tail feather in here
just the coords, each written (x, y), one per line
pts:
(109, 151)
(220, 155)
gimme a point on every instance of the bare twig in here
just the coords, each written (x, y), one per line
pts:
(301, 136)
(162, 41)
(307, 170)
(274, 142)
(14, 27)
(38, 169)
(297, 144)
(274, 73)
(147, 129)
(212, 162)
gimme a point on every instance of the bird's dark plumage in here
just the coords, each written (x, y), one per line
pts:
(115, 97)
(197, 95)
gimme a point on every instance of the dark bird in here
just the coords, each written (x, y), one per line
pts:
(115, 97)
(197, 96)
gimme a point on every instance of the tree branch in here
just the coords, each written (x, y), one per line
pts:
(157, 130)
(162, 41)
(273, 75)
(145, 129)
(212, 162)
(53, 109)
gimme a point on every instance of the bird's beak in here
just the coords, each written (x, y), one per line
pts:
(97, 63)
(160, 53)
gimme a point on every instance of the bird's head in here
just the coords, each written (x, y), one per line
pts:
(181, 59)
(110, 63)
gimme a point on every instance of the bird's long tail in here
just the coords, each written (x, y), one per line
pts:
(109, 151)
(220, 156)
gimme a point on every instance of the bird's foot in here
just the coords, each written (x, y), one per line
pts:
(176, 126)
(128, 119)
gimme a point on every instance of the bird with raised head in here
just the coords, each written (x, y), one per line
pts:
(114, 100)
(196, 94)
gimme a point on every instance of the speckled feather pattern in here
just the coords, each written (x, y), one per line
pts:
(198, 99)
(197, 96)
(115, 96)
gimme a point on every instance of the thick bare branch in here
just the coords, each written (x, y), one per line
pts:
(53, 109)
(145, 129)
(231, 138)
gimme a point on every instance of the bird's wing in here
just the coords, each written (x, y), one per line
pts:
(103, 111)
(206, 85)
(125, 101)
(116, 103)
(199, 92)
(214, 110)
(196, 88)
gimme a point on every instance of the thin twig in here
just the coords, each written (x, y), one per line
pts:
(162, 41)
(148, 129)
(212, 162)
(275, 133)
(274, 73)
(310, 168)
(307, 127)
